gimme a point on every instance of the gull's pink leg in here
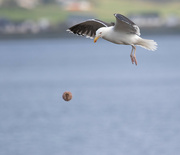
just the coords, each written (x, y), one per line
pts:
(131, 55)
(135, 55)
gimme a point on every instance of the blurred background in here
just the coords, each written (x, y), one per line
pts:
(52, 17)
(117, 108)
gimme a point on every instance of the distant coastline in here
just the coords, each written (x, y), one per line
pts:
(62, 33)
(47, 18)
(43, 28)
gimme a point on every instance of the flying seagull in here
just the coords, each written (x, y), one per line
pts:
(124, 31)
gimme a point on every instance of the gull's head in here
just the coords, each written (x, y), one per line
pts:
(99, 33)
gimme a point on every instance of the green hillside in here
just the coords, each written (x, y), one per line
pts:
(106, 8)
(101, 9)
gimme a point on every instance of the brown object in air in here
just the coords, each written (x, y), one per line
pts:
(67, 96)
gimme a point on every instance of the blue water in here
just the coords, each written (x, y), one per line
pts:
(117, 108)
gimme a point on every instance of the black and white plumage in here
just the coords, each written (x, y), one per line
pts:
(124, 31)
(88, 28)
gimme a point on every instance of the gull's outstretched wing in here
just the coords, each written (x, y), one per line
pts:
(88, 28)
(126, 25)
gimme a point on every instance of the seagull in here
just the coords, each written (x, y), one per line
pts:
(123, 31)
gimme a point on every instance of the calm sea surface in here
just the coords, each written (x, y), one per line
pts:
(117, 108)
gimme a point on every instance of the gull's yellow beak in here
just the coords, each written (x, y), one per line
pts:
(96, 38)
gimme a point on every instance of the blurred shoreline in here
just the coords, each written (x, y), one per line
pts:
(62, 33)
(149, 25)
(50, 19)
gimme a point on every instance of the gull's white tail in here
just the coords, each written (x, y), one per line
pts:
(147, 44)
